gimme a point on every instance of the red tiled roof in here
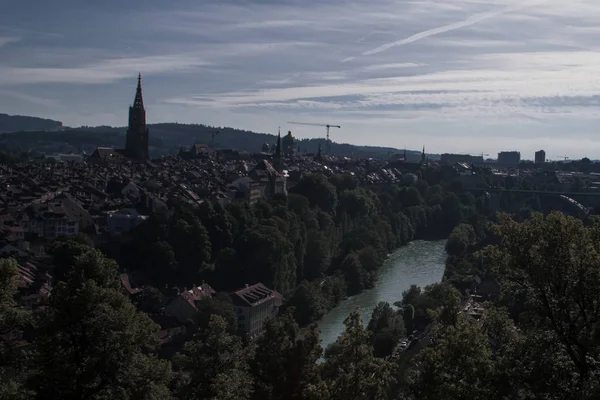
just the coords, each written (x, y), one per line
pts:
(197, 293)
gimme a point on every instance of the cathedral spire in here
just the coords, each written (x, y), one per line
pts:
(136, 143)
(138, 102)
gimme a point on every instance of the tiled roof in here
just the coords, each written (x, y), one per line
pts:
(197, 293)
(255, 295)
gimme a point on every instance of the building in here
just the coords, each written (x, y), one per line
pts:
(509, 158)
(253, 306)
(451, 159)
(136, 140)
(267, 179)
(61, 216)
(183, 307)
(288, 145)
(196, 151)
(540, 157)
(122, 221)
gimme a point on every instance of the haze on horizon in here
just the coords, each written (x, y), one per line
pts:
(456, 76)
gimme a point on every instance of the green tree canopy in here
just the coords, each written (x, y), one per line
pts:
(387, 327)
(353, 372)
(214, 365)
(284, 361)
(93, 344)
(553, 261)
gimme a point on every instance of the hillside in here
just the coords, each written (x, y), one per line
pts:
(168, 138)
(12, 123)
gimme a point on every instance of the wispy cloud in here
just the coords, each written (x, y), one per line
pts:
(472, 20)
(103, 72)
(8, 39)
(35, 100)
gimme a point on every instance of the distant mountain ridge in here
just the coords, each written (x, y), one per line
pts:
(12, 123)
(168, 138)
(174, 135)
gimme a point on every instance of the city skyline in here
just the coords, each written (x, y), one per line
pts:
(464, 77)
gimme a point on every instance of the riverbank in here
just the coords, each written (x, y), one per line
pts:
(418, 263)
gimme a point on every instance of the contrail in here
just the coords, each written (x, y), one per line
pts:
(472, 20)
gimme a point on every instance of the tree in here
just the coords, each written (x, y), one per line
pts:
(387, 327)
(358, 278)
(308, 303)
(63, 252)
(356, 203)
(93, 344)
(12, 320)
(318, 255)
(460, 239)
(268, 256)
(353, 372)
(150, 300)
(409, 296)
(408, 316)
(319, 192)
(214, 365)
(553, 262)
(457, 364)
(410, 197)
(285, 358)
(219, 305)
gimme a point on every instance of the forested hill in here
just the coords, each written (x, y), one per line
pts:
(12, 123)
(167, 138)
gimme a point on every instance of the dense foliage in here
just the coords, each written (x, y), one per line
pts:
(324, 240)
(535, 338)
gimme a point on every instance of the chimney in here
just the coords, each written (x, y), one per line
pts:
(246, 285)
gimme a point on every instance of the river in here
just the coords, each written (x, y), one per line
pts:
(419, 263)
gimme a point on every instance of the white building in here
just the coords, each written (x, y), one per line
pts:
(253, 306)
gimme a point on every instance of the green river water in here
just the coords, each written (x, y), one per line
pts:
(418, 263)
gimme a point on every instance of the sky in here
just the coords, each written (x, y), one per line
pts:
(459, 76)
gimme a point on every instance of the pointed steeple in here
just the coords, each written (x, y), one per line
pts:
(136, 144)
(138, 102)
(278, 148)
(423, 156)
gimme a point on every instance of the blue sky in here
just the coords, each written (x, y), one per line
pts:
(455, 75)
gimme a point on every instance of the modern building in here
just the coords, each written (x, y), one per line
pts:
(451, 159)
(540, 157)
(509, 159)
(136, 140)
(253, 306)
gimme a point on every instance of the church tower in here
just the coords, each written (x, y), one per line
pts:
(136, 144)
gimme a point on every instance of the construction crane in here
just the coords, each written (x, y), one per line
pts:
(563, 157)
(325, 125)
(479, 154)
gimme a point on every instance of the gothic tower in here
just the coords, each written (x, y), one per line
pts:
(136, 144)
(278, 152)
